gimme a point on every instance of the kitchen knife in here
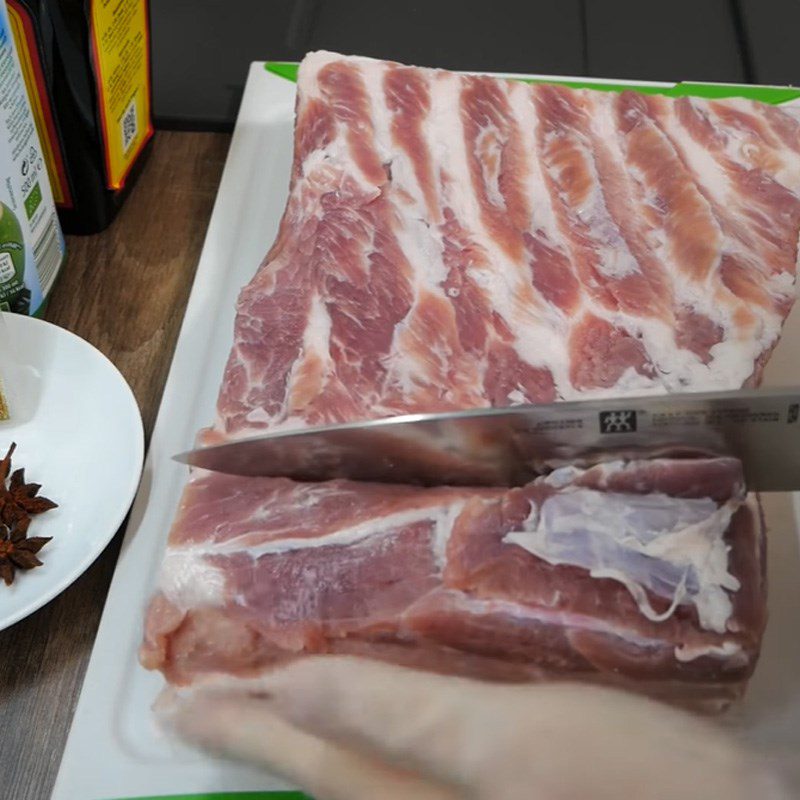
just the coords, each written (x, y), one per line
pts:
(508, 446)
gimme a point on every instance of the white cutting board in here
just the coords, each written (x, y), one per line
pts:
(114, 748)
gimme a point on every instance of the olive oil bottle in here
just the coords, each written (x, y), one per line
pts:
(31, 243)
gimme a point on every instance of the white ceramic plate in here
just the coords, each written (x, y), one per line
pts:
(79, 433)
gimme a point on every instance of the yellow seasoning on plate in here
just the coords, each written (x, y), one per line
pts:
(4, 348)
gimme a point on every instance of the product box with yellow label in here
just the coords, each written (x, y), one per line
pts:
(86, 65)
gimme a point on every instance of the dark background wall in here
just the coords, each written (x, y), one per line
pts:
(201, 48)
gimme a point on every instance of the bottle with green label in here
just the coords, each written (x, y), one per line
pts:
(31, 243)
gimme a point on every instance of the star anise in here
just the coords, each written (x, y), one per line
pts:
(26, 494)
(17, 551)
(5, 463)
(19, 500)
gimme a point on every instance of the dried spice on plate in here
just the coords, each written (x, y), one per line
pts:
(18, 551)
(19, 502)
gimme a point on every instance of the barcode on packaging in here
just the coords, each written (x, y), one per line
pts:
(130, 125)
(47, 253)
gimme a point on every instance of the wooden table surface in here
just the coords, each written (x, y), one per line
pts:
(125, 291)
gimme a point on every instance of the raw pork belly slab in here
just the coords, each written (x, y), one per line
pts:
(457, 241)
(648, 572)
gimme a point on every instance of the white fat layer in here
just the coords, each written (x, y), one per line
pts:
(422, 246)
(789, 176)
(710, 176)
(337, 152)
(545, 345)
(445, 137)
(615, 259)
(444, 521)
(604, 127)
(380, 116)
(489, 145)
(551, 615)
(676, 367)
(419, 240)
(542, 215)
(505, 282)
(543, 224)
(733, 357)
(563, 476)
(422, 243)
(784, 283)
(316, 344)
(317, 334)
(258, 416)
(703, 165)
(441, 517)
(503, 279)
(727, 651)
(309, 69)
(190, 581)
(748, 149)
(672, 547)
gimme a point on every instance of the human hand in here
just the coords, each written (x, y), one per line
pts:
(345, 729)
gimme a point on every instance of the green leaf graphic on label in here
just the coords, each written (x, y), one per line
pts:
(12, 256)
(765, 94)
(33, 200)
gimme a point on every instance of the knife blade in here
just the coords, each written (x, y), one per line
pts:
(509, 446)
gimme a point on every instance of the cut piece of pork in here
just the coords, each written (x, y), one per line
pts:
(456, 241)
(649, 573)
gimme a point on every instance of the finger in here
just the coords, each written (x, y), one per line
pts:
(243, 728)
(415, 720)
